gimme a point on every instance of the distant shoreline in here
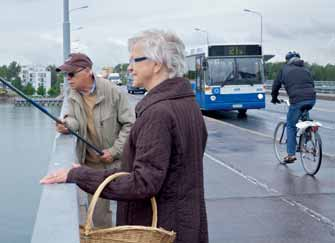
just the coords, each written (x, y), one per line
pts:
(4, 99)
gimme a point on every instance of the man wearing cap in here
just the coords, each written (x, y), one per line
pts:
(101, 114)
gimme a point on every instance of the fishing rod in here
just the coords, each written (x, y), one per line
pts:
(41, 108)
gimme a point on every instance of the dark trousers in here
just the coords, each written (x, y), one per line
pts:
(293, 116)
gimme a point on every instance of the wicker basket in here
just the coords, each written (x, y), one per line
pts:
(123, 234)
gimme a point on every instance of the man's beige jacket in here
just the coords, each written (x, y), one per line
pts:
(113, 118)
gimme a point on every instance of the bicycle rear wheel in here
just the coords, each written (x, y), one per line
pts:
(311, 152)
(280, 141)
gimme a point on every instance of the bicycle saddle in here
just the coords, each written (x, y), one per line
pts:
(306, 108)
(304, 115)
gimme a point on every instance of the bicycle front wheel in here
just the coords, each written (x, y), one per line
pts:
(311, 152)
(280, 141)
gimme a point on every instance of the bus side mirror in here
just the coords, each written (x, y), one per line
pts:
(204, 65)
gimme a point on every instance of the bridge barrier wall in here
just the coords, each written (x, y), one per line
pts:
(57, 218)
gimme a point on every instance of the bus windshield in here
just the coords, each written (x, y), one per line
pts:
(234, 71)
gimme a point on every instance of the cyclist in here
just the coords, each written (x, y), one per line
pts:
(299, 87)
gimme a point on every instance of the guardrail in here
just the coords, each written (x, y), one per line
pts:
(327, 87)
(324, 87)
(41, 101)
(58, 213)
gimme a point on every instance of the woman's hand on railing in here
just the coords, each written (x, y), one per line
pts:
(59, 176)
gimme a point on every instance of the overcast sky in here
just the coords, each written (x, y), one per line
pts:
(31, 30)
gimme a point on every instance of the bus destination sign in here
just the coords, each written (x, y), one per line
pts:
(235, 50)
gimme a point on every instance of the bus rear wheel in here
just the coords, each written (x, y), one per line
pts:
(242, 113)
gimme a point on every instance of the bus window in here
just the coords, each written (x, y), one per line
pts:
(248, 71)
(220, 71)
(190, 66)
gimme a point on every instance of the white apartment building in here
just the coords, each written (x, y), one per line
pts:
(36, 75)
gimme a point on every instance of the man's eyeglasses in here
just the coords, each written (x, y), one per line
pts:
(137, 59)
(72, 74)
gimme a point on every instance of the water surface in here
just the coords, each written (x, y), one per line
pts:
(26, 138)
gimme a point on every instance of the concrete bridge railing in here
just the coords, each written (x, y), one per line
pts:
(41, 101)
(323, 87)
(58, 215)
(57, 218)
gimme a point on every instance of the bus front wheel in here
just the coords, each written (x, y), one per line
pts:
(242, 113)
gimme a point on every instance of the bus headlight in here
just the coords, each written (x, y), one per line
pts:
(213, 97)
(260, 96)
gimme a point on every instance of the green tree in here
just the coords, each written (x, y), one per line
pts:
(41, 90)
(13, 71)
(319, 72)
(3, 71)
(17, 83)
(272, 69)
(117, 68)
(52, 92)
(54, 74)
(122, 70)
(330, 72)
(29, 89)
(59, 82)
(56, 80)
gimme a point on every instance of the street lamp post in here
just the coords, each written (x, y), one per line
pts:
(66, 30)
(67, 38)
(204, 31)
(260, 15)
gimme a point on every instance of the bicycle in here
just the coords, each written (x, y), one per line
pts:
(309, 143)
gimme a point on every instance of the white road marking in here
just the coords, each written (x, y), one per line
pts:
(241, 128)
(326, 127)
(254, 132)
(284, 119)
(323, 110)
(303, 208)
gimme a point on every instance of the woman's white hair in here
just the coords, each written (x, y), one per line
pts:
(163, 47)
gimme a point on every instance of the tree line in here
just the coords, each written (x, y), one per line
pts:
(319, 72)
(12, 71)
(122, 70)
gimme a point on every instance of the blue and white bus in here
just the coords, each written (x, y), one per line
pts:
(227, 77)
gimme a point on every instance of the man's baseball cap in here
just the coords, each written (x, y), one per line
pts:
(75, 61)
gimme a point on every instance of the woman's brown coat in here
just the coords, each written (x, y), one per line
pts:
(164, 154)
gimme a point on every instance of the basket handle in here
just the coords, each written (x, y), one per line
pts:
(88, 224)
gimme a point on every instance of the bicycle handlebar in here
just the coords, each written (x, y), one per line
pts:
(287, 102)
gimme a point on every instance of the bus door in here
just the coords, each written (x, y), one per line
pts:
(199, 79)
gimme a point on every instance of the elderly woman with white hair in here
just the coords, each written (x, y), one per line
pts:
(164, 152)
